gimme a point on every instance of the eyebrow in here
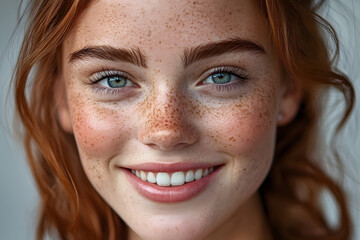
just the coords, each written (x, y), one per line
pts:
(107, 52)
(190, 55)
(212, 49)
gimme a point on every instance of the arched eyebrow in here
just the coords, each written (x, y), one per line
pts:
(212, 49)
(106, 52)
(190, 55)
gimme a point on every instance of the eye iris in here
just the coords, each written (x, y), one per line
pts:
(221, 78)
(117, 82)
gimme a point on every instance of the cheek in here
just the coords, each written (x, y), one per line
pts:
(248, 133)
(100, 134)
(244, 128)
(98, 130)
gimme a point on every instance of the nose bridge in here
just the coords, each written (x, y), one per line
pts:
(167, 122)
(168, 110)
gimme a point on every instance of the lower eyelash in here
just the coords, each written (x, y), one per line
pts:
(228, 87)
(106, 91)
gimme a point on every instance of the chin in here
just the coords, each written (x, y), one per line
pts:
(174, 228)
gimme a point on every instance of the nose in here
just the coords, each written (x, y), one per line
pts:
(167, 124)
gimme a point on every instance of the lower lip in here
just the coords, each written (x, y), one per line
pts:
(170, 194)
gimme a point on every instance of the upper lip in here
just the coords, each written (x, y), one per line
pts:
(170, 167)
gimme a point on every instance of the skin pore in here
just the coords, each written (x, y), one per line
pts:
(170, 109)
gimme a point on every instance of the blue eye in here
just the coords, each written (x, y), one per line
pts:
(221, 78)
(226, 78)
(115, 82)
(112, 79)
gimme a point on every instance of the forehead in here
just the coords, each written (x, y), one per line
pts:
(166, 25)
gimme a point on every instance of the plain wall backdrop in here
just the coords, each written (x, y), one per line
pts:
(18, 196)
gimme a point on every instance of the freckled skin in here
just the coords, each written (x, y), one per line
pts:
(170, 117)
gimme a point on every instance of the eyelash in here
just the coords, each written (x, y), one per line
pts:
(242, 78)
(102, 75)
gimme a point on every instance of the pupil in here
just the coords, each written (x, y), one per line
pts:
(221, 78)
(116, 82)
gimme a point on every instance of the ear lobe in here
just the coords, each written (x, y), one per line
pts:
(289, 103)
(61, 105)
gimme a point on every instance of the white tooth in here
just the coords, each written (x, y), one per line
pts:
(133, 171)
(143, 175)
(151, 177)
(190, 176)
(211, 169)
(206, 172)
(163, 179)
(198, 174)
(177, 179)
(137, 174)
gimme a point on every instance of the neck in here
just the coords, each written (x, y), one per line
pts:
(248, 222)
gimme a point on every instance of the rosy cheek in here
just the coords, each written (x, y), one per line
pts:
(247, 134)
(98, 131)
(239, 133)
(245, 128)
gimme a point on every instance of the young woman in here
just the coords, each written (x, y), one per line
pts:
(178, 119)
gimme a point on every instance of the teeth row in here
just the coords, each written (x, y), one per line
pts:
(176, 179)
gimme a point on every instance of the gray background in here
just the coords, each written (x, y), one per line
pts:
(18, 196)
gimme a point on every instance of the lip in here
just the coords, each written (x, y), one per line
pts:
(170, 167)
(157, 193)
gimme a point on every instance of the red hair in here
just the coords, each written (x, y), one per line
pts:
(295, 182)
(70, 207)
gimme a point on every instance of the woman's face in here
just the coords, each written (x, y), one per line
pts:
(173, 91)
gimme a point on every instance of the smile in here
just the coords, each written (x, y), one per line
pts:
(170, 184)
(179, 178)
